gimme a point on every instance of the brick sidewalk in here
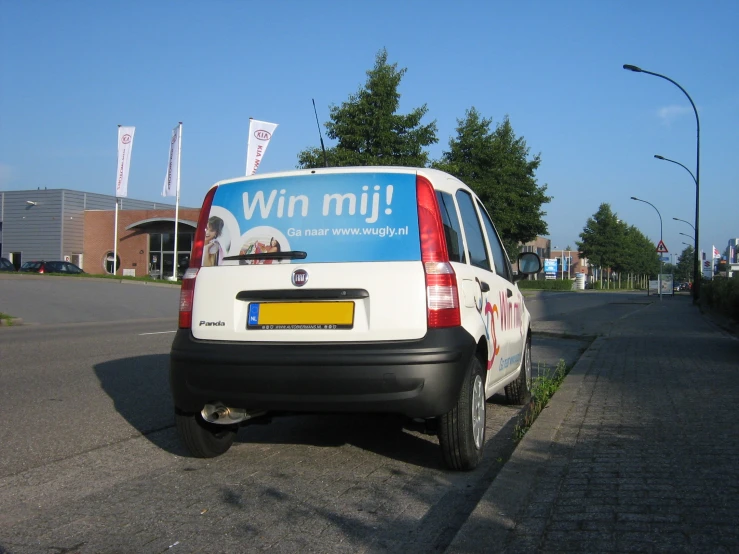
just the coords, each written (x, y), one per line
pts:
(638, 451)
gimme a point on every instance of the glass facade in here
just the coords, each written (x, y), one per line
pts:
(161, 254)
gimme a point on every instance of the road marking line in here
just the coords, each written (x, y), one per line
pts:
(157, 333)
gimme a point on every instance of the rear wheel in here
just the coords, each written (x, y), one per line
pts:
(203, 439)
(519, 391)
(462, 429)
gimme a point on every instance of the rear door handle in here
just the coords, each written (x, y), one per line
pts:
(484, 287)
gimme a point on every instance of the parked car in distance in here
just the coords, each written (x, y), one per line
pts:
(6, 265)
(61, 267)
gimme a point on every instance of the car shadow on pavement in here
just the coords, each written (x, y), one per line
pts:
(139, 389)
(385, 435)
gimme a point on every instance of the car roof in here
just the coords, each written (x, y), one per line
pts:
(436, 176)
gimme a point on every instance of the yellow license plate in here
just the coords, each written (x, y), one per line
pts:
(300, 315)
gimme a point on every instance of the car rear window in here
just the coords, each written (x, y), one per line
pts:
(452, 228)
(352, 217)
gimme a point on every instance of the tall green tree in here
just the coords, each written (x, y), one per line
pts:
(638, 255)
(684, 270)
(603, 238)
(497, 166)
(611, 243)
(368, 129)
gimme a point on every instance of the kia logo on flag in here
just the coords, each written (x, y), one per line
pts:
(300, 277)
(262, 134)
(125, 139)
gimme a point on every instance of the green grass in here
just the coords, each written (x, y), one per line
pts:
(543, 387)
(145, 279)
(8, 318)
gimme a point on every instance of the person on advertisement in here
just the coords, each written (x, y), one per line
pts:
(259, 247)
(213, 251)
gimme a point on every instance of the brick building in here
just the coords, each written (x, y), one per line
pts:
(63, 224)
(145, 241)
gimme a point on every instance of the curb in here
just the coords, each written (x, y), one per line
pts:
(496, 513)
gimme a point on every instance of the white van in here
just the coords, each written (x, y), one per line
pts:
(365, 289)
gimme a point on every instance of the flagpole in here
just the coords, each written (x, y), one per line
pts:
(177, 202)
(115, 239)
(115, 229)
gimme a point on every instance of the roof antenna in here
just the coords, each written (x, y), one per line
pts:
(325, 161)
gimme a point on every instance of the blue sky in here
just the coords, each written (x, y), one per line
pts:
(71, 71)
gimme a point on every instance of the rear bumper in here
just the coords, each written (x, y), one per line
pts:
(420, 378)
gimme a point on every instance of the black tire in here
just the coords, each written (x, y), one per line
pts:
(462, 429)
(519, 391)
(203, 439)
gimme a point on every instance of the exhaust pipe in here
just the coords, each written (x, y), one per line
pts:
(223, 415)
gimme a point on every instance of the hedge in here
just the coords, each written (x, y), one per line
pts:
(548, 284)
(722, 295)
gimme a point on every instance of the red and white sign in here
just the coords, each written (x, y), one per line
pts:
(661, 248)
(125, 146)
(260, 133)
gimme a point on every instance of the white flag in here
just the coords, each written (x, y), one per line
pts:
(716, 253)
(125, 146)
(172, 179)
(260, 133)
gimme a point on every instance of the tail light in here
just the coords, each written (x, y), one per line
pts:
(442, 296)
(187, 292)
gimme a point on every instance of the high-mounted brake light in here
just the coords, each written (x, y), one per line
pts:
(187, 291)
(442, 296)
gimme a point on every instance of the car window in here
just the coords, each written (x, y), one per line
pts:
(452, 228)
(499, 256)
(53, 267)
(473, 231)
(71, 268)
(6, 263)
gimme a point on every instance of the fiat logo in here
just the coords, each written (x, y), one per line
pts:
(125, 139)
(300, 277)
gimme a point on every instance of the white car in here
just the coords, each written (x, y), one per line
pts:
(367, 289)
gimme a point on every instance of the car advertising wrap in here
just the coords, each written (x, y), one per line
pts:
(363, 217)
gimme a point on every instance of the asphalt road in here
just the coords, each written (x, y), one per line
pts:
(90, 461)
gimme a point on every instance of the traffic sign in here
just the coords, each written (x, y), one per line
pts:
(661, 248)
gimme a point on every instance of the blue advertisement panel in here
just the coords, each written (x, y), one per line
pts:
(550, 265)
(352, 217)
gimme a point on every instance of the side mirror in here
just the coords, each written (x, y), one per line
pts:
(528, 264)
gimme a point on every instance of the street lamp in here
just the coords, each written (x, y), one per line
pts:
(688, 222)
(659, 278)
(687, 235)
(678, 163)
(696, 177)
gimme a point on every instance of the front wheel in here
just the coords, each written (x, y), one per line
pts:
(519, 391)
(203, 439)
(462, 429)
